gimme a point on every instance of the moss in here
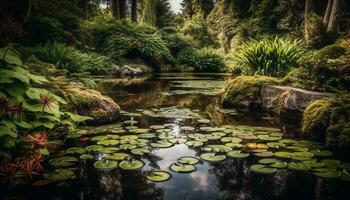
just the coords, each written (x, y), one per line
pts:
(316, 118)
(331, 51)
(91, 103)
(329, 120)
(314, 30)
(299, 78)
(245, 88)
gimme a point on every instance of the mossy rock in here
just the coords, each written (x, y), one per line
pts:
(88, 102)
(245, 89)
(332, 51)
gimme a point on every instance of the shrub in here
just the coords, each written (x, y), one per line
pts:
(269, 57)
(208, 60)
(122, 39)
(71, 59)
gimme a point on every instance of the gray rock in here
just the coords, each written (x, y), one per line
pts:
(284, 99)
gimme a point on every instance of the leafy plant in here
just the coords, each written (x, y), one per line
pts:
(29, 115)
(269, 56)
(208, 60)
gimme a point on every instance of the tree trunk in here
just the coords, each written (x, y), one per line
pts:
(328, 12)
(86, 9)
(332, 24)
(309, 6)
(122, 4)
(134, 10)
(115, 9)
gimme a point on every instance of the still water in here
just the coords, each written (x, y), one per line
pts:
(178, 101)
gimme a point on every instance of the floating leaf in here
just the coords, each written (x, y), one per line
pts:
(237, 154)
(276, 145)
(147, 135)
(60, 175)
(269, 138)
(264, 154)
(262, 169)
(188, 160)
(162, 144)
(194, 143)
(304, 154)
(331, 163)
(313, 163)
(322, 153)
(86, 157)
(118, 156)
(140, 151)
(182, 168)
(131, 164)
(65, 161)
(299, 166)
(329, 174)
(105, 164)
(213, 157)
(158, 176)
(283, 154)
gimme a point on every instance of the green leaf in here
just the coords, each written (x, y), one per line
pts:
(44, 151)
(78, 118)
(10, 56)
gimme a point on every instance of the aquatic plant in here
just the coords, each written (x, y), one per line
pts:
(269, 56)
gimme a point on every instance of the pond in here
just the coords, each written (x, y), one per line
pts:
(174, 141)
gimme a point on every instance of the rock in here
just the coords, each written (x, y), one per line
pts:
(287, 100)
(244, 91)
(91, 103)
(135, 71)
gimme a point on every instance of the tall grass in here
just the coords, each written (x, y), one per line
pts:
(208, 60)
(269, 56)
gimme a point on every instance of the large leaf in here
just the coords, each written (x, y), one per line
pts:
(78, 118)
(10, 56)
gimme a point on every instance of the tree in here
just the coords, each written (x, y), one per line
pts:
(328, 12)
(149, 12)
(333, 18)
(115, 8)
(158, 13)
(187, 9)
(123, 9)
(309, 6)
(134, 10)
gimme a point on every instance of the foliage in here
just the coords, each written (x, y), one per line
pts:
(71, 59)
(208, 60)
(328, 120)
(315, 30)
(158, 13)
(270, 57)
(196, 32)
(123, 40)
(245, 88)
(29, 115)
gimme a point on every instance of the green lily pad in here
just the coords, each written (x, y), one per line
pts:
(129, 137)
(233, 145)
(213, 157)
(217, 148)
(269, 138)
(262, 169)
(231, 140)
(304, 154)
(237, 154)
(299, 166)
(108, 142)
(288, 141)
(127, 146)
(329, 174)
(264, 154)
(140, 151)
(94, 148)
(118, 156)
(131, 164)
(212, 137)
(331, 163)
(345, 175)
(75, 150)
(109, 149)
(105, 164)
(283, 154)
(203, 121)
(194, 143)
(276, 145)
(157, 127)
(60, 175)
(158, 176)
(162, 144)
(188, 160)
(86, 157)
(182, 168)
(345, 166)
(321, 153)
(65, 161)
(147, 135)
(279, 165)
(313, 163)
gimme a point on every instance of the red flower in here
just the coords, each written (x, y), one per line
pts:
(39, 139)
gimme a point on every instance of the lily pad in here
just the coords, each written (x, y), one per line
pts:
(313, 163)
(60, 175)
(65, 161)
(329, 174)
(237, 154)
(162, 144)
(269, 138)
(331, 163)
(276, 145)
(131, 164)
(108, 142)
(140, 151)
(182, 168)
(304, 154)
(231, 140)
(118, 156)
(194, 143)
(188, 160)
(127, 146)
(86, 157)
(299, 166)
(147, 135)
(158, 176)
(262, 169)
(75, 150)
(264, 154)
(283, 154)
(321, 153)
(213, 157)
(105, 164)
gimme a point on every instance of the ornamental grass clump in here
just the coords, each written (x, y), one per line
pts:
(269, 56)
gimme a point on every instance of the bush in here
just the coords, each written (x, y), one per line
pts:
(208, 60)
(71, 59)
(122, 39)
(269, 57)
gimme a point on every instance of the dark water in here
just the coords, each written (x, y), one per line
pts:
(230, 179)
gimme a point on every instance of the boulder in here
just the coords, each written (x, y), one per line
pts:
(91, 103)
(287, 100)
(135, 71)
